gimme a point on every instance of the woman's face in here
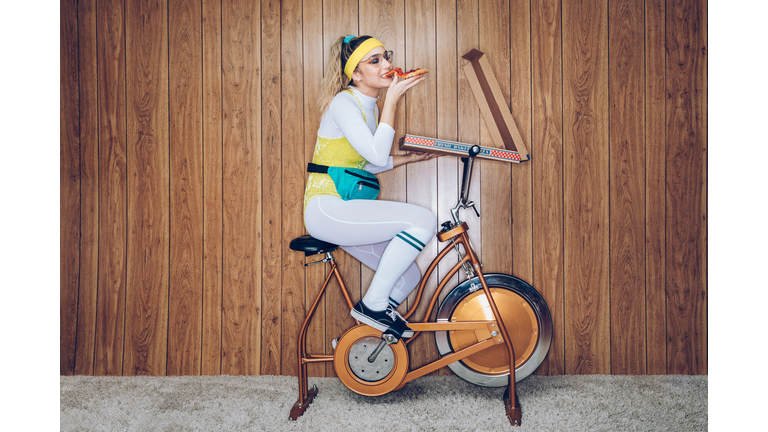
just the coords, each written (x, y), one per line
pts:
(368, 75)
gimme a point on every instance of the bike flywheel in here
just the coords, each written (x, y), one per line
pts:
(525, 316)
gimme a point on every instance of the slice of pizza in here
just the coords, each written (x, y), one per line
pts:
(410, 74)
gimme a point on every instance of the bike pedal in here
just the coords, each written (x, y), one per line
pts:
(391, 336)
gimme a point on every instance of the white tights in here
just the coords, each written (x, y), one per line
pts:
(386, 236)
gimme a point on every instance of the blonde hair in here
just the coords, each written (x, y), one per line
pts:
(334, 79)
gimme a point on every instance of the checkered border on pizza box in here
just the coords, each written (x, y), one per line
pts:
(456, 147)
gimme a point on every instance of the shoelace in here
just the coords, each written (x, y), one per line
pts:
(394, 314)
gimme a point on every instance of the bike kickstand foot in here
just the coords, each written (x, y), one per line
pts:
(514, 414)
(300, 406)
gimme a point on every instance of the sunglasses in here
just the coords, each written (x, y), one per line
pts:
(376, 58)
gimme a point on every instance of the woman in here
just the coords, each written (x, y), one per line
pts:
(384, 235)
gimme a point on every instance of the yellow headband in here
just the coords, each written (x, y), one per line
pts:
(358, 54)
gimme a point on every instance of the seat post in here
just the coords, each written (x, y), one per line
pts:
(328, 258)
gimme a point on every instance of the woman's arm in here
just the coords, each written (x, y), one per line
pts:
(398, 160)
(395, 91)
(374, 147)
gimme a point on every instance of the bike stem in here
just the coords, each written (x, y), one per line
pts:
(465, 181)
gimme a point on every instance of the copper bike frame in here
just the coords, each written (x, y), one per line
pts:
(457, 235)
(306, 395)
(512, 405)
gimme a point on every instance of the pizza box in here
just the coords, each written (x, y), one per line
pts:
(434, 145)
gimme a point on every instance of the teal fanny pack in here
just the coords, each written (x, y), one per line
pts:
(351, 183)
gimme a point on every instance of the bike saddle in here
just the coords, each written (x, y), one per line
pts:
(311, 246)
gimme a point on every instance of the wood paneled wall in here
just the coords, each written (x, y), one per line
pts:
(186, 127)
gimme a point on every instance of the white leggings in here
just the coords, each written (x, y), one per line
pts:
(386, 236)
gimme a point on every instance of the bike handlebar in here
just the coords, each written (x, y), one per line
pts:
(467, 176)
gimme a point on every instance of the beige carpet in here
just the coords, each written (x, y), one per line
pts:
(262, 403)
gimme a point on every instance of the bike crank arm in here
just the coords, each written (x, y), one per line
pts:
(386, 339)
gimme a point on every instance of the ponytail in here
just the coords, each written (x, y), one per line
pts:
(334, 79)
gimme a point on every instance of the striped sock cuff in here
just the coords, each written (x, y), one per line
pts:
(411, 240)
(393, 303)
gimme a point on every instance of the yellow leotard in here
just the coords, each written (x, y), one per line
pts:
(332, 152)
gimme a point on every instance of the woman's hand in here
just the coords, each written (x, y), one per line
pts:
(420, 156)
(411, 157)
(396, 90)
(398, 87)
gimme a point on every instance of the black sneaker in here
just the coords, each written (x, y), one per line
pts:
(382, 320)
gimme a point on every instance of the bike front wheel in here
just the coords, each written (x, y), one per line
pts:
(525, 315)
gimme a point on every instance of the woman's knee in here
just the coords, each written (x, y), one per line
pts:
(427, 220)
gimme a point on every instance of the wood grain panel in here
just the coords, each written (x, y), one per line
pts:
(113, 182)
(446, 77)
(89, 187)
(496, 187)
(340, 17)
(293, 166)
(469, 122)
(686, 186)
(185, 300)
(655, 194)
(520, 104)
(547, 165)
(383, 19)
(212, 194)
(585, 176)
(241, 183)
(421, 177)
(69, 200)
(448, 173)
(312, 43)
(271, 195)
(148, 183)
(627, 190)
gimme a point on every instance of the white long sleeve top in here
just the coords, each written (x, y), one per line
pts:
(371, 139)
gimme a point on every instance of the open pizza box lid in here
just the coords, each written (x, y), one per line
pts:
(493, 107)
(508, 143)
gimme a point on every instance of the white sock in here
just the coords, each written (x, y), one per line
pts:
(397, 258)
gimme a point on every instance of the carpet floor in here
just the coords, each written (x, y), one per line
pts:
(444, 403)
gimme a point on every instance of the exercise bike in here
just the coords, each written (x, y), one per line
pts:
(486, 326)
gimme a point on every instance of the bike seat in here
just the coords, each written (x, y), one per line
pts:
(311, 246)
